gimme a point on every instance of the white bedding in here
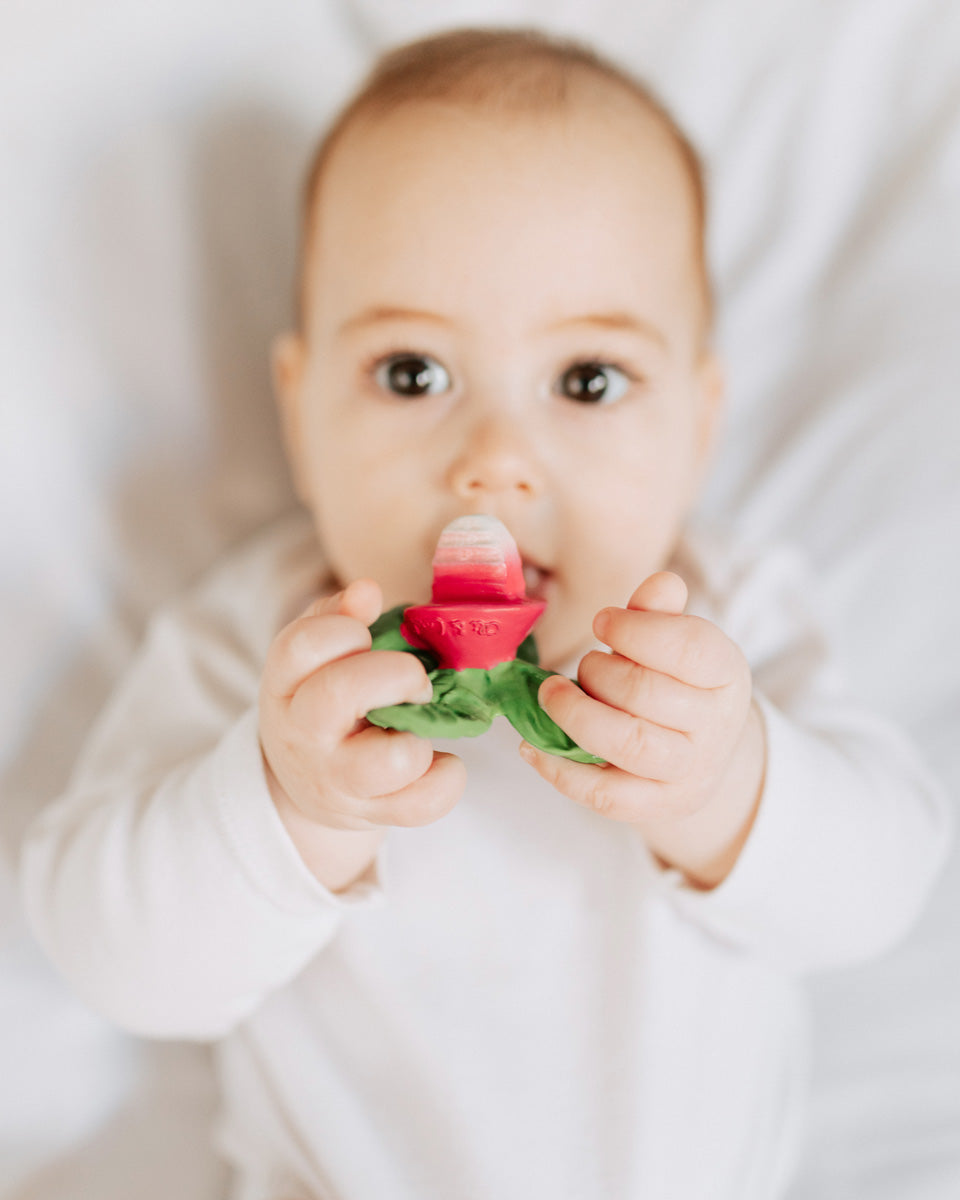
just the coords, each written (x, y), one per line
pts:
(150, 159)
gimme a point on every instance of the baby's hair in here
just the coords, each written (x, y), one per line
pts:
(507, 71)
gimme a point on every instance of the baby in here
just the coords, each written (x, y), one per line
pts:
(487, 971)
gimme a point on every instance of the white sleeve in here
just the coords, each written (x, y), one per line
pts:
(163, 884)
(851, 830)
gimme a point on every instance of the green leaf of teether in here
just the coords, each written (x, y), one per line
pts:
(517, 684)
(465, 702)
(459, 708)
(386, 635)
(527, 650)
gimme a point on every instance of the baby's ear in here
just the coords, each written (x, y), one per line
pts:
(712, 385)
(286, 361)
(287, 354)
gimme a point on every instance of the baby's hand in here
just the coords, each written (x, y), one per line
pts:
(335, 769)
(670, 710)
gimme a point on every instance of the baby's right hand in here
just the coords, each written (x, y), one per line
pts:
(335, 769)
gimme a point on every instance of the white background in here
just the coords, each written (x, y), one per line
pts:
(150, 159)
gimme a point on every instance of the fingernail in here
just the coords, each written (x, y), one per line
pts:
(601, 622)
(425, 695)
(527, 752)
(547, 683)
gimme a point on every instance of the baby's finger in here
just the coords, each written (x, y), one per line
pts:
(334, 699)
(425, 800)
(606, 790)
(662, 592)
(642, 692)
(687, 648)
(361, 599)
(375, 762)
(306, 645)
(645, 750)
(329, 628)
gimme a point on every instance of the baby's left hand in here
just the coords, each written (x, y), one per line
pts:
(670, 710)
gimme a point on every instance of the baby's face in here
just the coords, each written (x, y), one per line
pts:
(504, 318)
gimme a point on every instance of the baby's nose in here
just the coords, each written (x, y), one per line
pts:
(495, 458)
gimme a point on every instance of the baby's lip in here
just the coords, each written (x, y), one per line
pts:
(532, 560)
(535, 578)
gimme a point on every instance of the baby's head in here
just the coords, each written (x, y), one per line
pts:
(505, 309)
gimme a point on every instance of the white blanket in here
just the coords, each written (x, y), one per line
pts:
(150, 158)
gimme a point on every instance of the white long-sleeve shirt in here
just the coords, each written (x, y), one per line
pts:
(515, 1001)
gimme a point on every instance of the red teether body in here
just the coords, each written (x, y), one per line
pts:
(479, 614)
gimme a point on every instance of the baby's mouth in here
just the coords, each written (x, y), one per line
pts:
(537, 580)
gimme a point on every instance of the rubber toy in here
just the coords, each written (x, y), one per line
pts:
(475, 642)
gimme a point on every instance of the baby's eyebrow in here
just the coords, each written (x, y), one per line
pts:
(389, 312)
(610, 320)
(614, 320)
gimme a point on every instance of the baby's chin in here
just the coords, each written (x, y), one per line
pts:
(562, 635)
(397, 586)
(403, 591)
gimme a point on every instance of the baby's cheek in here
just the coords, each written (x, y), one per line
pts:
(607, 569)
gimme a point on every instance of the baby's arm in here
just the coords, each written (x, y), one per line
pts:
(821, 833)
(164, 885)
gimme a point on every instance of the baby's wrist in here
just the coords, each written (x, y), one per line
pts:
(706, 845)
(335, 857)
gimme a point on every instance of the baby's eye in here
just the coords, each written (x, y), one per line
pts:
(593, 383)
(412, 375)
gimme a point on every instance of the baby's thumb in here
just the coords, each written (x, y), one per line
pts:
(663, 592)
(361, 599)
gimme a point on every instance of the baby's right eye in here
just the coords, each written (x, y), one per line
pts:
(412, 375)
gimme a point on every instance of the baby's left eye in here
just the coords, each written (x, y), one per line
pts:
(593, 383)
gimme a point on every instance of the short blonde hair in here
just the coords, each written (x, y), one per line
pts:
(497, 71)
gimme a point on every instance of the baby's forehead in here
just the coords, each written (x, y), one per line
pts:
(589, 112)
(596, 127)
(629, 167)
